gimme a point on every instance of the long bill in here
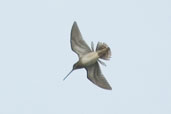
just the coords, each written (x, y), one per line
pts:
(67, 74)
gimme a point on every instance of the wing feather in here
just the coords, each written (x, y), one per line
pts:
(94, 75)
(78, 45)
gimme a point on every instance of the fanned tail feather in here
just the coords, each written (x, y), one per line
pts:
(104, 51)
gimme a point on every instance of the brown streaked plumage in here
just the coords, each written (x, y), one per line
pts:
(89, 59)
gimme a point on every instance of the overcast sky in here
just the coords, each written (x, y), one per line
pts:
(35, 55)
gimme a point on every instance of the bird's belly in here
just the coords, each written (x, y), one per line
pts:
(89, 58)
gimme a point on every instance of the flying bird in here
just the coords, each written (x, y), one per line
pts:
(89, 58)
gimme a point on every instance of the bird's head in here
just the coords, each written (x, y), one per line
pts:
(77, 65)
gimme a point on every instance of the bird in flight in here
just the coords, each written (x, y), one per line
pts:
(89, 58)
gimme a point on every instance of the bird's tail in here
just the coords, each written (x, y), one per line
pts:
(103, 50)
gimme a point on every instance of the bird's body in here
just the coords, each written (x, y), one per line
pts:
(89, 58)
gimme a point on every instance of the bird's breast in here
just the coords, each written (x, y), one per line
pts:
(89, 58)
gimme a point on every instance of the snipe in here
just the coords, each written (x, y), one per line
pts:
(89, 58)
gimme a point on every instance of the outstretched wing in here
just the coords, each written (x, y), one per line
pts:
(78, 45)
(94, 75)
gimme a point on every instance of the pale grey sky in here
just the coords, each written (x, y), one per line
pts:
(35, 55)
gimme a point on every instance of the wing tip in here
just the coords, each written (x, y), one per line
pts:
(74, 27)
(107, 88)
(110, 88)
(75, 23)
